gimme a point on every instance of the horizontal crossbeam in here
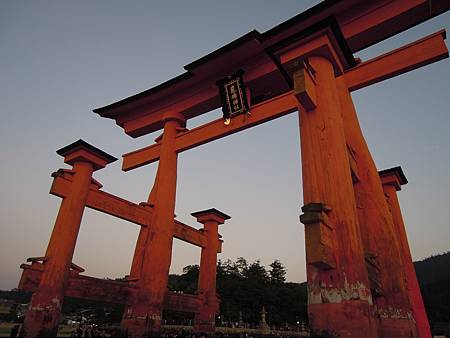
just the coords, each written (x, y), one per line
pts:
(188, 234)
(79, 286)
(260, 113)
(103, 201)
(103, 290)
(129, 211)
(412, 56)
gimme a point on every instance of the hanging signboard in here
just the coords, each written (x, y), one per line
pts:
(233, 96)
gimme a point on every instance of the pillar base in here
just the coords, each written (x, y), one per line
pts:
(398, 327)
(41, 323)
(139, 327)
(205, 328)
(349, 319)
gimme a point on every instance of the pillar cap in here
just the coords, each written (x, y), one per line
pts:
(174, 116)
(393, 176)
(210, 215)
(84, 152)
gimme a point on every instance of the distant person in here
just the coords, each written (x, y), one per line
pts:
(14, 331)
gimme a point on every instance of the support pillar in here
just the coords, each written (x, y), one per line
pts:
(387, 272)
(205, 317)
(339, 299)
(139, 250)
(44, 310)
(144, 314)
(392, 180)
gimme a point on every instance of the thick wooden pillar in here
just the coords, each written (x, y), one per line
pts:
(143, 316)
(136, 264)
(138, 256)
(339, 299)
(43, 313)
(205, 317)
(380, 237)
(392, 180)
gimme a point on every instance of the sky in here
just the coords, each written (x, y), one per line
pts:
(60, 59)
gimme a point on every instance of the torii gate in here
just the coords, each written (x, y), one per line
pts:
(54, 276)
(361, 280)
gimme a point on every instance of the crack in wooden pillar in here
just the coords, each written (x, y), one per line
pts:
(143, 316)
(380, 238)
(339, 299)
(392, 180)
(205, 318)
(42, 317)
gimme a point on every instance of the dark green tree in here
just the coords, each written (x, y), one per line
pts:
(230, 268)
(277, 272)
(241, 265)
(256, 272)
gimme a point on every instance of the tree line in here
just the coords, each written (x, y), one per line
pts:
(246, 287)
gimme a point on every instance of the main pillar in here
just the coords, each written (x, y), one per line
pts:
(144, 314)
(139, 250)
(43, 313)
(339, 299)
(205, 317)
(380, 238)
(392, 180)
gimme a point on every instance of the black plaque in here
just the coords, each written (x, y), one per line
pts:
(233, 95)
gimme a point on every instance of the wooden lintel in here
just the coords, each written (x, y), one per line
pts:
(363, 23)
(105, 202)
(118, 207)
(189, 234)
(265, 111)
(80, 286)
(417, 54)
(141, 157)
(103, 290)
(181, 302)
(146, 123)
(115, 206)
(404, 59)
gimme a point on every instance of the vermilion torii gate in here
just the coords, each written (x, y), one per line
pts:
(361, 280)
(54, 276)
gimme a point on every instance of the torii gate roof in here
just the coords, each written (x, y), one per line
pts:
(353, 25)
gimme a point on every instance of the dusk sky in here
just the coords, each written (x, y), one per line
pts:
(59, 60)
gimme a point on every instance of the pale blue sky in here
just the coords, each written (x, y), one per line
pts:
(59, 60)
